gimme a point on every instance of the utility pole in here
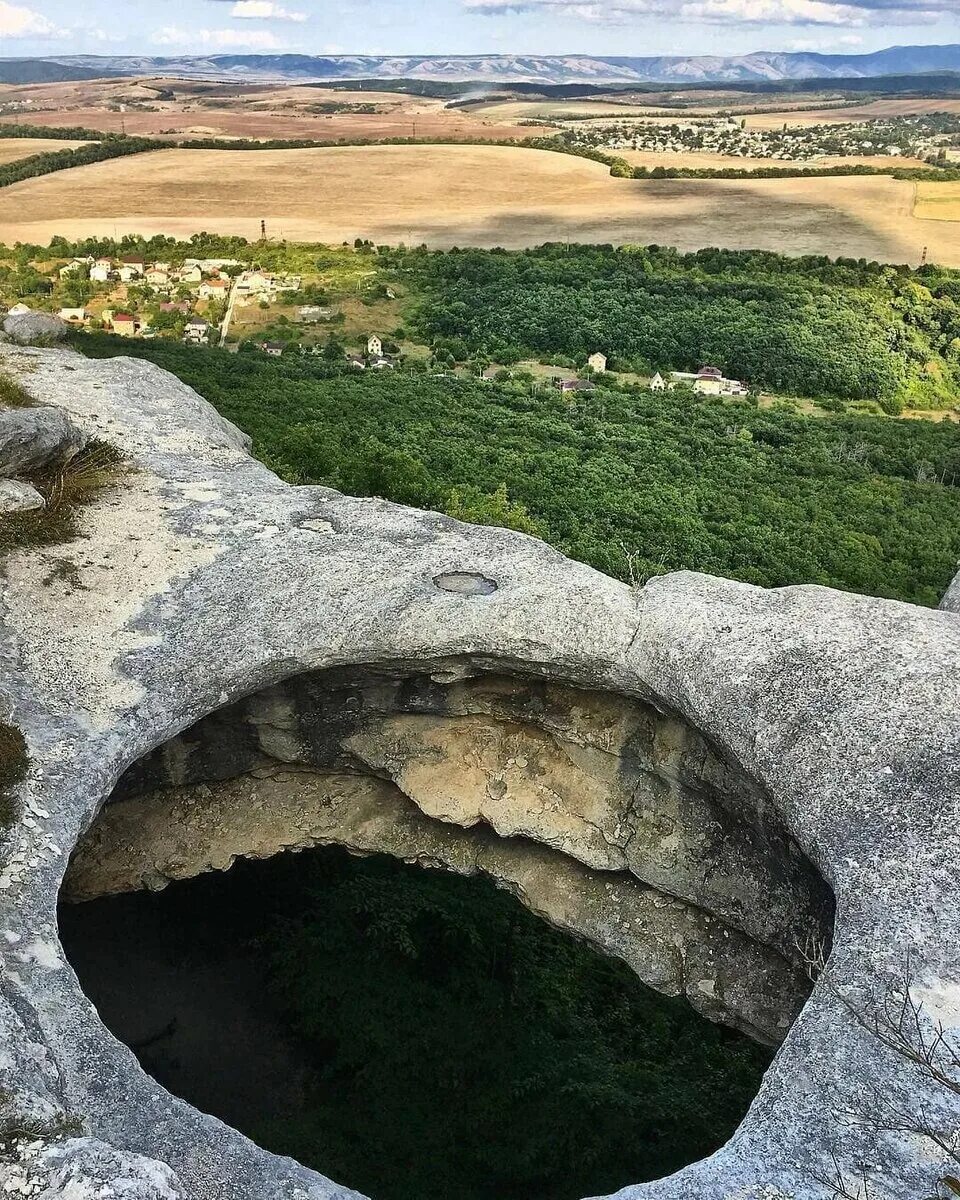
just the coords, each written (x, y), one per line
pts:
(263, 231)
(923, 257)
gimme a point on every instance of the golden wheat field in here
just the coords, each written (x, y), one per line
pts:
(468, 195)
(13, 149)
(939, 202)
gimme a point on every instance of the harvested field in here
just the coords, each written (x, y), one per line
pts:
(176, 108)
(242, 123)
(467, 195)
(704, 160)
(13, 149)
(893, 107)
(938, 202)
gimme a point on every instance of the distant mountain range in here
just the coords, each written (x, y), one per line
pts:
(498, 68)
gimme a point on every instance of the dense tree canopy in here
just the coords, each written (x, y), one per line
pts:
(807, 327)
(625, 480)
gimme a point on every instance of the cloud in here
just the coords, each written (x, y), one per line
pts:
(264, 10)
(18, 22)
(217, 39)
(850, 13)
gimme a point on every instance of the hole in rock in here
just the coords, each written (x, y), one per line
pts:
(466, 583)
(410, 1033)
(414, 1032)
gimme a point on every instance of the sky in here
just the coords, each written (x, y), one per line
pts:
(620, 27)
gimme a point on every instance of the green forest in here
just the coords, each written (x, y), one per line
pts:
(807, 327)
(632, 482)
(453, 1045)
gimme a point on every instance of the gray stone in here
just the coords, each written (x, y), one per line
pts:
(16, 496)
(34, 438)
(35, 328)
(819, 731)
(951, 600)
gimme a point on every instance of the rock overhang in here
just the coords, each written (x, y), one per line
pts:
(842, 710)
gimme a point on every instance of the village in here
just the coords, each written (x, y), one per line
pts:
(240, 306)
(927, 137)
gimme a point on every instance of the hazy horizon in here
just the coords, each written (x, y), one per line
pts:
(37, 28)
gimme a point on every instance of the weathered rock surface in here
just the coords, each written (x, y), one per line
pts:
(788, 735)
(27, 328)
(16, 496)
(34, 438)
(951, 600)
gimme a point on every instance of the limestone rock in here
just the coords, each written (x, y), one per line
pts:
(16, 496)
(808, 738)
(34, 438)
(34, 328)
(951, 600)
(86, 1169)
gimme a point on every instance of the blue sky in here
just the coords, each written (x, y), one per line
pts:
(37, 27)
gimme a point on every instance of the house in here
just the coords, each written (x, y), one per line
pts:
(161, 266)
(181, 306)
(355, 360)
(73, 314)
(375, 346)
(214, 289)
(209, 265)
(77, 267)
(379, 362)
(157, 278)
(100, 273)
(255, 283)
(128, 274)
(197, 331)
(597, 363)
(709, 381)
(274, 349)
(190, 275)
(658, 383)
(134, 263)
(124, 324)
(310, 314)
(575, 385)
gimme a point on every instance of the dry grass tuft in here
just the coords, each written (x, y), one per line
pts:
(12, 395)
(65, 489)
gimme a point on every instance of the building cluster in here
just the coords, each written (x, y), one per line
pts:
(727, 136)
(202, 278)
(708, 381)
(206, 278)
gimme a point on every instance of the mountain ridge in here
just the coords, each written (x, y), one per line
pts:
(502, 68)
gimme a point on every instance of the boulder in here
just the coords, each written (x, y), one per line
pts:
(34, 438)
(29, 328)
(18, 497)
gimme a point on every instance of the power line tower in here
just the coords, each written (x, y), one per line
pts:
(263, 231)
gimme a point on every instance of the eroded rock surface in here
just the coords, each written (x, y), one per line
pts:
(27, 328)
(684, 761)
(34, 438)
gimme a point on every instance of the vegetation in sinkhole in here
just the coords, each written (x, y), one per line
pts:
(454, 1045)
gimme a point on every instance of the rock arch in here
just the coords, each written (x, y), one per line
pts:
(201, 581)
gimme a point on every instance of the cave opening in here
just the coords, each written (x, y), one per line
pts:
(583, 993)
(408, 1032)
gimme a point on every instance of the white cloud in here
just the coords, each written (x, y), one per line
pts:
(834, 13)
(217, 39)
(264, 10)
(18, 22)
